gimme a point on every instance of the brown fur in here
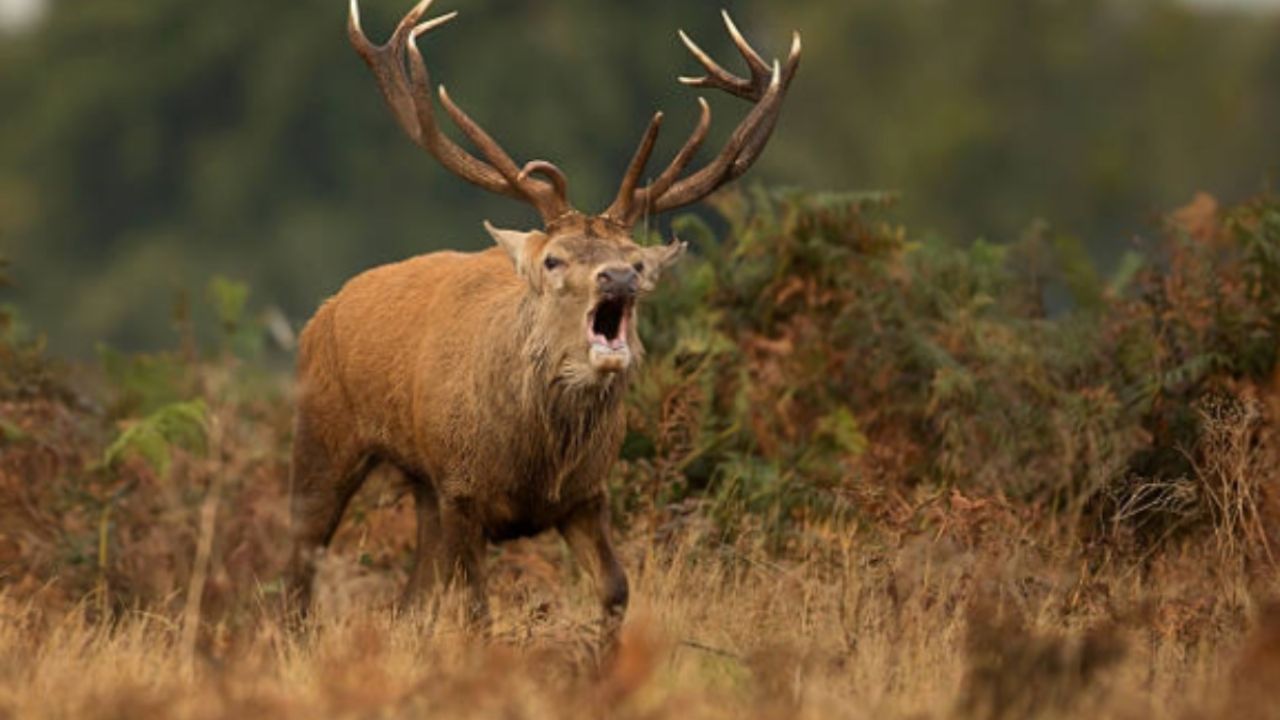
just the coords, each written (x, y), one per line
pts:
(472, 374)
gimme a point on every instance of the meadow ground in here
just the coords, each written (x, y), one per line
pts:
(928, 629)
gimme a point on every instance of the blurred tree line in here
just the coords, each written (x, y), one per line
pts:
(147, 146)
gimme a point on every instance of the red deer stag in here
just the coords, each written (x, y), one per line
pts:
(494, 380)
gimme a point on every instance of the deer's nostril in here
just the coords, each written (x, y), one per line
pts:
(617, 281)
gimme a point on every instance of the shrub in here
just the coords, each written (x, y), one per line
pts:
(818, 361)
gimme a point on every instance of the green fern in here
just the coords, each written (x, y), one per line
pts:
(153, 438)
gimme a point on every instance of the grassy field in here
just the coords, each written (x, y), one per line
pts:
(923, 630)
(866, 476)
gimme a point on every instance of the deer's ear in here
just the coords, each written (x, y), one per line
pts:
(661, 257)
(515, 242)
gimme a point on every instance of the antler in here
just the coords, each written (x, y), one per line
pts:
(766, 87)
(408, 94)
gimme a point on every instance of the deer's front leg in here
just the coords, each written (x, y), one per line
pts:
(586, 530)
(462, 546)
(425, 577)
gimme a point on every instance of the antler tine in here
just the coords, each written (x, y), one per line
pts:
(685, 156)
(439, 145)
(747, 139)
(493, 152)
(793, 58)
(622, 203)
(549, 171)
(716, 77)
(766, 88)
(755, 145)
(409, 97)
(629, 208)
(758, 66)
(432, 24)
(551, 202)
(367, 48)
(384, 61)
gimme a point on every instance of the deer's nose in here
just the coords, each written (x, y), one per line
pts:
(621, 281)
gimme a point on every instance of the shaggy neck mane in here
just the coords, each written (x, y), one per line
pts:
(565, 406)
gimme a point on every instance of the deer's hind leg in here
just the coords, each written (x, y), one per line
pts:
(327, 470)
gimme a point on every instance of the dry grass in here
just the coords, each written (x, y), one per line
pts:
(852, 631)
(949, 606)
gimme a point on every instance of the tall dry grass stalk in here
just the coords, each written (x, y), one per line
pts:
(200, 573)
(1234, 464)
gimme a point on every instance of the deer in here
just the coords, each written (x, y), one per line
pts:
(494, 381)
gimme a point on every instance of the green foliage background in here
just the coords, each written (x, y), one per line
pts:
(816, 367)
(146, 146)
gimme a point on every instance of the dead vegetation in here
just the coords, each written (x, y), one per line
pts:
(853, 631)
(864, 477)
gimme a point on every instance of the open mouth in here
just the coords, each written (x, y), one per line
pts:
(607, 332)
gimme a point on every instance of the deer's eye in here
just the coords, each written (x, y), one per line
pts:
(639, 267)
(552, 262)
